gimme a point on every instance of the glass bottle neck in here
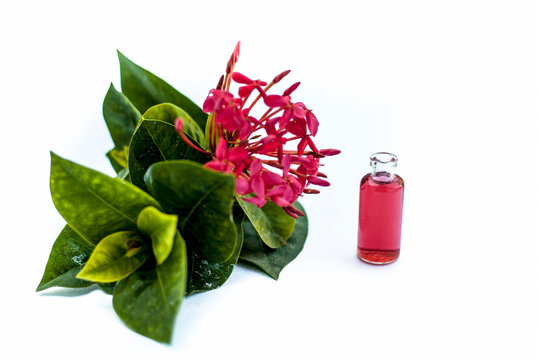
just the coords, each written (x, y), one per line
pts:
(383, 166)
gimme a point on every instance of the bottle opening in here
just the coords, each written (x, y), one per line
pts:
(384, 158)
(383, 165)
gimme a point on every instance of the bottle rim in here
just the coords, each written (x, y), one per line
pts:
(384, 158)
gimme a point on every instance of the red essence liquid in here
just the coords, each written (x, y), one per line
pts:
(379, 223)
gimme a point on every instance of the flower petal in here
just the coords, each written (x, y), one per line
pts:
(241, 78)
(312, 123)
(279, 201)
(221, 150)
(317, 181)
(271, 179)
(255, 200)
(274, 101)
(238, 154)
(242, 186)
(329, 152)
(257, 185)
(299, 110)
(291, 88)
(255, 167)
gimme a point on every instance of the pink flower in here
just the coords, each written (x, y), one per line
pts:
(254, 149)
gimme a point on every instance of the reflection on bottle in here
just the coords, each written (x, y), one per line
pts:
(381, 209)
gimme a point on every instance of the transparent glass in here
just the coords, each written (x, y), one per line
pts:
(380, 211)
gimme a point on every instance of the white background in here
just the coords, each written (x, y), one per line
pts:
(451, 87)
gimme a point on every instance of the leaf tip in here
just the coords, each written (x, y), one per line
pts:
(41, 287)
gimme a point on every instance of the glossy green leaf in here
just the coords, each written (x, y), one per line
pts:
(121, 117)
(94, 204)
(147, 301)
(273, 224)
(206, 275)
(156, 141)
(118, 158)
(203, 200)
(159, 227)
(272, 261)
(68, 255)
(124, 175)
(107, 287)
(145, 90)
(115, 257)
(169, 113)
(207, 133)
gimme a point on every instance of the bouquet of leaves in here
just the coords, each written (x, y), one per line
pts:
(197, 190)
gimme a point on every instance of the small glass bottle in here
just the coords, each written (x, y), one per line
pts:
(381, 209)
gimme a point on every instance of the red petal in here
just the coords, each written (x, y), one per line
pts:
(240, 78)
(292, 210)
(279, 201)
(242, 186)
(238, 154)
(291, 88)
(286, 164)
(302, 145)
(269, 138)
(317, 181)
(296, 186)
(299, 110)
(257, 184)
(329, 152)
(312, 145)
(255, 200)
(296, 129)
(271, 178)
(209, 104)
(312, 123)
(221, 150)
(280, 76)
(255, 167)
(245, 131)
(270, 147)
(286, 117)
(236, 52)
(218, 166)
(245, 91)
(274, 101)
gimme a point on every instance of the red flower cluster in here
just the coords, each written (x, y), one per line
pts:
(250, 147)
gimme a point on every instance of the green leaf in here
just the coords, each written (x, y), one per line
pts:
(68, 255)
(207, 133)
(169, 113)
(118, 158)
(273, 224)
(107, 287)
(156, 141)
(94, 204)
(124, 175)
(145, 90)
(120, 116)
(203, 200)
(159, 227)
(206, 275)
(272, 261)
(147, 301)
(115, 257)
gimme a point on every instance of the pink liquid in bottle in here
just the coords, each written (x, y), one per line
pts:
(381, 209)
